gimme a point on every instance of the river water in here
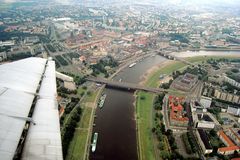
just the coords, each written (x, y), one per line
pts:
(115, 122)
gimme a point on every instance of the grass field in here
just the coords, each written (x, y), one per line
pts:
(144, 122)
(144, 107)
(91, 97)
(80, 90)
(77, 146)
(85, 118)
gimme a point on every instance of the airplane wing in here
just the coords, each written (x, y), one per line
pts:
(28, 88)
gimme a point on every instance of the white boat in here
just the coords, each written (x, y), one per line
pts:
(131, 65)
(94, 144)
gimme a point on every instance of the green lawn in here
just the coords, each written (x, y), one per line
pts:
(144, 122)
(85, 118)
(77, 146)
(153, 80)
(80, 90)
(91, 97)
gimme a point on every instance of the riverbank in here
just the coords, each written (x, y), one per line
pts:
(79, 146)
(144, 102)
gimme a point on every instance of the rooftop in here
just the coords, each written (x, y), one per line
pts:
(225, 137)
(231, 148)
(204, 138)
(204, 117)
(236, 132)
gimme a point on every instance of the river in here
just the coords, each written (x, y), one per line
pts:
(115, 122)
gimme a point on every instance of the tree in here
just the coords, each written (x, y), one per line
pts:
(213, 133)
(142, 97)
(165, 155)
(161, 145)
(235, 70)
(89, 93)
(82, 94)
(169, 132)
(160, 116)
(235, 125)
(162, 127)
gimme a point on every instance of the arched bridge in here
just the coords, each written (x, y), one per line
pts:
(129, 86)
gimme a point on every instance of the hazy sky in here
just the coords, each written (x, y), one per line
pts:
(170, 1)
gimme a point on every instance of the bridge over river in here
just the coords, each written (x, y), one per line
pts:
(130, 86)
(172, 57)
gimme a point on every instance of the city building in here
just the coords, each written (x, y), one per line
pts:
(216, 79)
(235, 110)
(229, 97)
(204, 141)
(232, 82)
(217, 94)
(177, 115)
(226, 96)
(185, 82)
(68, 81)
(204, 120)
(197, 107)
(234, 134)
(223, 96)
(228, 150)
(236, 99)
(7, 43)
(231, 147)
(3, 56)
(31, 40)
(206, 101)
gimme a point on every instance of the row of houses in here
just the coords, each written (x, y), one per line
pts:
(226, 96)
(231, 81)
(230, 138)
(227, 138)
(233, 108)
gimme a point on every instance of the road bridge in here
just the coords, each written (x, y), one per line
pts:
(172, 57)
(130, 86)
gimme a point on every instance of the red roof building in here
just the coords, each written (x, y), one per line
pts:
(231, 147)
(177, 116)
